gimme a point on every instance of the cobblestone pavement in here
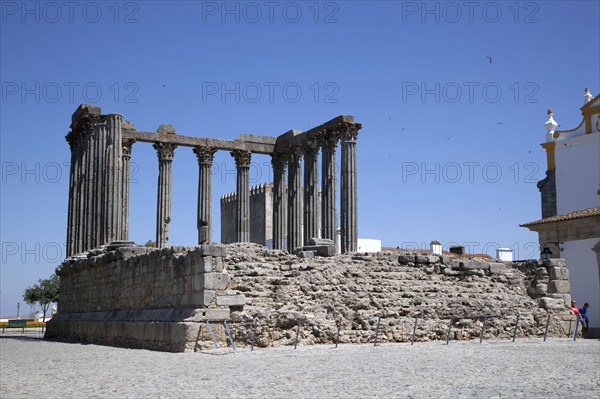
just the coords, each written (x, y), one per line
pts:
(557, 368)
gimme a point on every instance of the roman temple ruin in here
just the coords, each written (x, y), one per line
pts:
(101, 147)
(175, 298)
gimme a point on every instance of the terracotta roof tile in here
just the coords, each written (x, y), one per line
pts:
(582, 213)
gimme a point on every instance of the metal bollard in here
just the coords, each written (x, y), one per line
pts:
(377, 330)
(516, 326)
(253, 334)
(576, 328)
(412, 340)
(297, 334)
(546, 330)
(212, 335)
(337, 338)
(482, 329)
(229, 335)
(449, 328)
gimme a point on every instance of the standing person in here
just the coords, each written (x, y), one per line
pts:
(574, 309)
(584, 317)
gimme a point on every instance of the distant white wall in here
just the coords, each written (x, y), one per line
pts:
(368, 245)
(504, 254)
(583, 275)
(577, 172)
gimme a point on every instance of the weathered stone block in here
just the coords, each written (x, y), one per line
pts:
(433, 258)
(231, 300)
(541, 272)
(218, 264)
(550, 303)
(555, 273)
(203, 298)
(197, 283)
(166, 128)
(556, 262)
(559, 286)
(320, 241)
(474, 264)
(497, 267)
(558, 273)
(203, 234)
(217, 314)
(454, 264)
(541, 289)
(207, 266)
(404, 259)
(422, 259)
(321, 250)
(212, 250)
(216, 281)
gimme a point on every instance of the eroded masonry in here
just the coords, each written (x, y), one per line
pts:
(101, 148)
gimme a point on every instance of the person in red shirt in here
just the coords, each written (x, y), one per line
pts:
(574, 309)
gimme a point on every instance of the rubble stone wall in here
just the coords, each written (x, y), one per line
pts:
(355, 290)
(162, 299)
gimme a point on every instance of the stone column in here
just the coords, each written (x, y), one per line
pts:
(311, 226)
(72, 140)
(113, 176)
(242, 163)
(348, 189)
(96, 180)
(88, 193)
(278, 160)
(165, 152)
(205, 157)
(294, 236)
(125, 178)
(100, 185)
(328, 143)
(79, 184)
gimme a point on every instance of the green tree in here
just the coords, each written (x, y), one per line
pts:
(150, 243)
(44, 292)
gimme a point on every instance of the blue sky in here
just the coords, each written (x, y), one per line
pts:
(449, 148)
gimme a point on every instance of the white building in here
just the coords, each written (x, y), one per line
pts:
(570, 224)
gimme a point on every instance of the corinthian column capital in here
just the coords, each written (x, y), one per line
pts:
(278, 161)
(311, 149)
(242, 158)
(127, 146)
(349, 132)
(328, 139)
(205, 154)
(165, 151)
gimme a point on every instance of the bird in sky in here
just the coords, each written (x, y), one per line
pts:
(489, 58)
(500, 123)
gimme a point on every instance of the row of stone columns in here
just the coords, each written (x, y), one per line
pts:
(96, 211)
(99, 188)
(302, 204)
